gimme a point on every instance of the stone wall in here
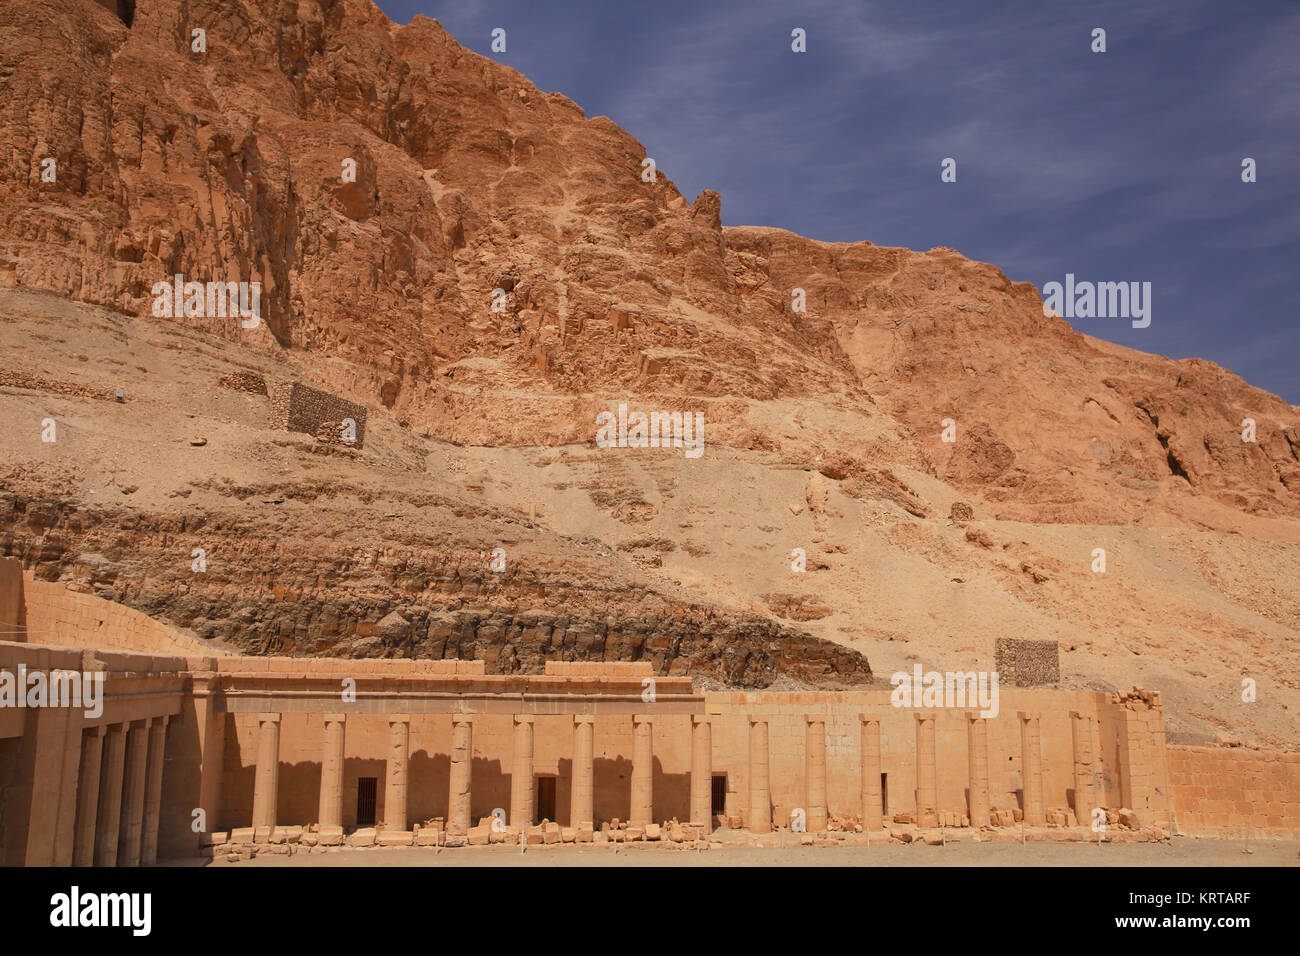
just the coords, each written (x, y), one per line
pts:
(1221, 791)
(243, 382)
(52, 614)
(1027, 663)
(300, 408)
(898, 742)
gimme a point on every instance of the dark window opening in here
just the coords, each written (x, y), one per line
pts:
(367, 788)
(545, 798)
(718, 803)
(884, 794)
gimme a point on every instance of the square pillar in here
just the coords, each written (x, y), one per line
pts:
(211, 724)
(266, 781)
(702, 772)
(521, 775)
(815, 772)
(92, 755)
(331, 773)
(760, 787)
(399, 752)
(873, 811)
(1031, 766)
(110, 796)
(582, 796)
(53, 742)
(137, 765)
(1081, 737)
(977, 748)
(153, 791)
(462, 762)
(642, 808)
(927, 788)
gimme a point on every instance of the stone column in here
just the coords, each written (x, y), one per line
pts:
(582, 795)
(873, 811)
(92, 754)
(399, 751)
(642, 810)
(52, 736)
(760, 787)
(1031, 768)
(153, 791)
(137, 763)
(1084, 798)
(266, 781)
(702, 771)
(977, 748)
(522, 807)
(331, 773)
(210, 723)
(110, 796)
(462, 762)
(815, 772)
(927, 789)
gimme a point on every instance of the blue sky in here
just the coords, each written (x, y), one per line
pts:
(1122, 166)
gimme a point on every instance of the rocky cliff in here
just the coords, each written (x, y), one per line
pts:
(496, 274)
(228, 164)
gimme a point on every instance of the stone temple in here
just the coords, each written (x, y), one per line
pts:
(193, 754)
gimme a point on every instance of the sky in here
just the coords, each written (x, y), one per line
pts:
(1122, 166)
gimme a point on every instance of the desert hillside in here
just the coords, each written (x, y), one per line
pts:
(823, 427)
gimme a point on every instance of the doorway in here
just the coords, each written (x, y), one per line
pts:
(367, 788)
(718, 799)
(546, 798)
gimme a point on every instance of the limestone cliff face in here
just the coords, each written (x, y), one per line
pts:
(497, 274)
(228, 164)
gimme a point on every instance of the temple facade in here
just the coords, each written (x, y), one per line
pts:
(182, 753)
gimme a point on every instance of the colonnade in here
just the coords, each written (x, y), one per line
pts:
(522, 795)
(140, 786)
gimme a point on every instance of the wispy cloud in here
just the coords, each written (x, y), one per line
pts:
(1123, 165)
